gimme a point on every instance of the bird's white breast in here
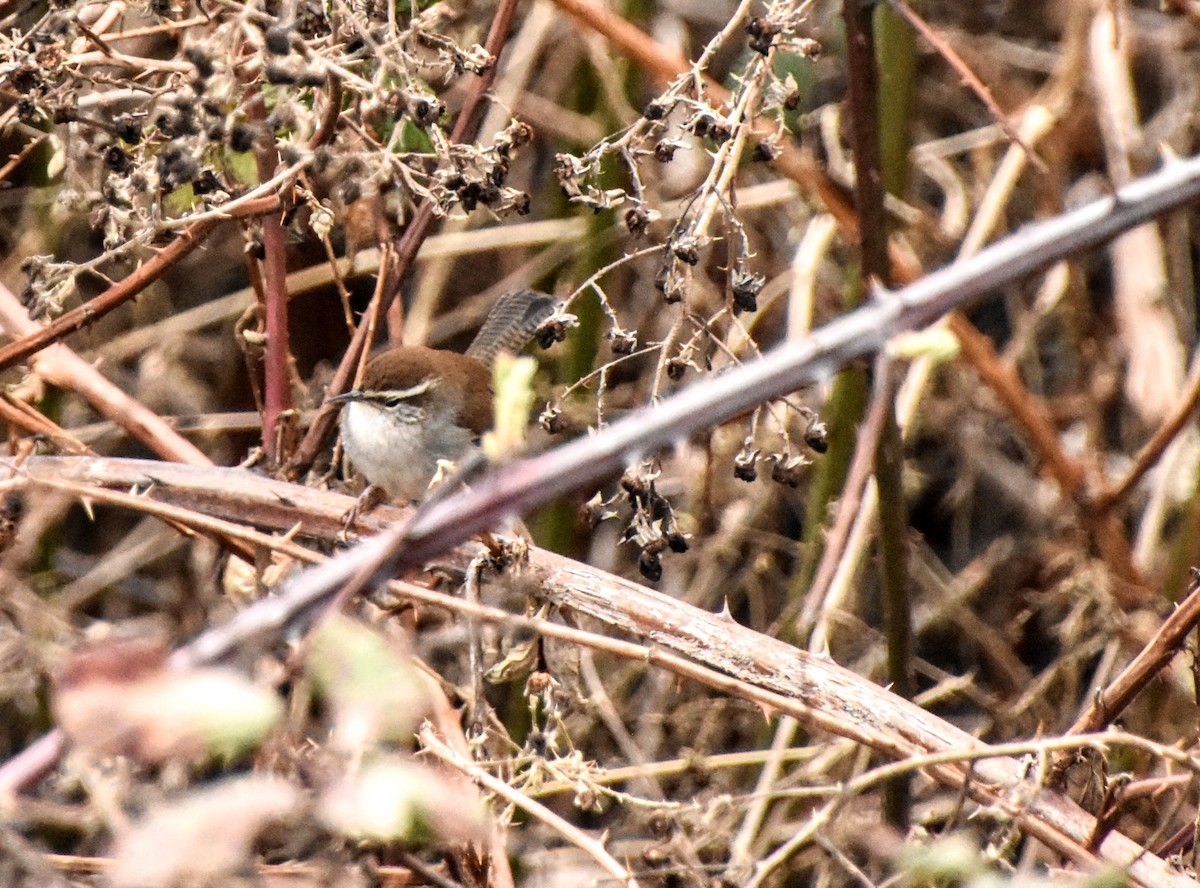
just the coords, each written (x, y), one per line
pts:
(401, 457)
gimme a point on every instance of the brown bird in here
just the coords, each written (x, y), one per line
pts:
(419, 405)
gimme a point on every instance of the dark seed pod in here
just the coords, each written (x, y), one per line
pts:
(623, 342)
(116, 159)
(278, 40)
(677, 542)
(676, 368)
(470, 195)
(25, 80)
(201, 61)
(312, 78)
(27, 111)
(635, 486)
(745, 288)
(650, 565)
(745, 465)
(762, 33)
(280, 74)
(551, 420)
(488, 194)
(816, 436)
(656, 110)
(550, 332)
(788, 470)
(765, 152)
(206, 183)
(129, 130)
(176, 168)
(637, 220)
(685, 251)
(241, 137)
(426, 110)
(719, 131)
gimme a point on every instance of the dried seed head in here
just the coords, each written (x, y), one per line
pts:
(687, 249)
(637, 220)
(551, 420)
(635, 485)
(241, 137)
(650, 566)
(664, 151)
(623, 341)
(27, 111)
(175, 168)
(595, 510)
(765, 152)
(206, 182)
(278, 39)
(745, 464)
(116, 159)
(669, 283)
(201, 61)
(425, 109)
(129, 130)
(816, 436)
(745, 287)
(656, 110)
(788, 470)
(763, 31)
(551, 331)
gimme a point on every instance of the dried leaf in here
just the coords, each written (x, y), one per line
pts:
(207, 834)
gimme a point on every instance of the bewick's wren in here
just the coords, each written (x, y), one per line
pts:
(419, 405)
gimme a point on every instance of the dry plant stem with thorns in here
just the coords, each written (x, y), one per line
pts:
(424, 534)
(771, 674)
(313, 148)
(1024, 405)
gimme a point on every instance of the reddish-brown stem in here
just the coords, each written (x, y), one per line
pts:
(401, 258)
(1154, 448)
(627, 39)
(278, 391)
(1030, 413)
(119, 293)
(17, 159)
(972, 82)
(1166, 643)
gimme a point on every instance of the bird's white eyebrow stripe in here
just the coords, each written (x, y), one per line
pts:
(419, 389)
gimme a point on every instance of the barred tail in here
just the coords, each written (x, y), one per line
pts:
(510, 324)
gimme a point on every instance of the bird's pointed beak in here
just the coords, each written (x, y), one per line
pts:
(345, 397)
